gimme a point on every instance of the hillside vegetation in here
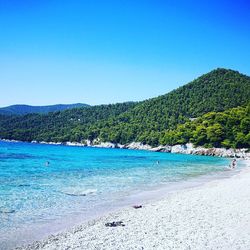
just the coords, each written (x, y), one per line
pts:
(153, 121)
(230, 128)
(57, 126)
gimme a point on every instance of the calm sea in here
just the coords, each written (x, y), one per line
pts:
(44, 188)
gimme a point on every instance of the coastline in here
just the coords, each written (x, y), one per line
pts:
(188, 148)
(213, 215)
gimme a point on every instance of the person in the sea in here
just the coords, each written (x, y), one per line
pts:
(47, 163)
(233, 164)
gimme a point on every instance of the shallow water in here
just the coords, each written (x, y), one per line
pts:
(38, 198)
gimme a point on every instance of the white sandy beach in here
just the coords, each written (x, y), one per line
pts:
(213, 216)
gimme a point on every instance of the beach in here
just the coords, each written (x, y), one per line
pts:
(125, 125)
(215, 215)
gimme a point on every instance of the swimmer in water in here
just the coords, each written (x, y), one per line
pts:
(233, 164)
(47, 163)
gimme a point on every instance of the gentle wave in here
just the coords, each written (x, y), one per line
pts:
(16, 156)
(6, 211)
(78, 192)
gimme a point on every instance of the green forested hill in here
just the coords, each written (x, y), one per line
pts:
(146, 121)
(230, 128)
(218, 90)
(57, 126)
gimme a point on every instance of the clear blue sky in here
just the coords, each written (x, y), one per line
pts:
(113, 51)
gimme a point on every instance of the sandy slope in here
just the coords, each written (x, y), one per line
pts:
(213, 216)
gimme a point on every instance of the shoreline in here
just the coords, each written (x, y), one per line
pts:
(213, 214)
(189, 148)
(148, 196)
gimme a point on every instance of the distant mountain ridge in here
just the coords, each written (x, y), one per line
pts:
(23, 109)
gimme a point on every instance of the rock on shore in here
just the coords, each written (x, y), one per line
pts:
(221, 152)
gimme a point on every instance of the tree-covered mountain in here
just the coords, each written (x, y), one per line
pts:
(230, 128)
(21, 109)
(147, 122)
(218, 90)
(60, 125)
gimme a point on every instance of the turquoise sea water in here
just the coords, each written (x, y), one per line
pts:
(37, 198)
